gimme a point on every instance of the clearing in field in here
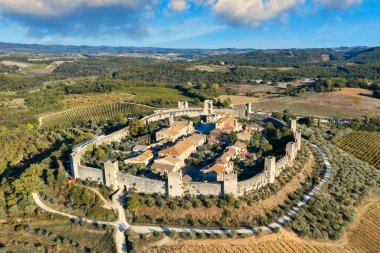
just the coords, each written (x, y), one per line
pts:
(14, 63)
(79, 100)
(363, 145)
(148, 94)
(210, 68)
(348, 102)
(362, 237)
(236, 100)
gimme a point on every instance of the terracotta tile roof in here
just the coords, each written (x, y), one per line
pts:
(240, 144)
(179, 148)
(217, 168)
(146, 155)
(196, 138)
(176, 127)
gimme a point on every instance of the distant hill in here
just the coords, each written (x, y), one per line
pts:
(14, 48)
(249, 57)
(286, 57)
(366, 55)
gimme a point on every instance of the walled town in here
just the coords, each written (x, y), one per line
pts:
(175, 143)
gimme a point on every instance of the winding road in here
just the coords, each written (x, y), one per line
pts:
(122, 225)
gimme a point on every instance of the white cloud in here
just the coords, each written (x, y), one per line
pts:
(338, 4)
(61, 7)
(178, 5)
(252, 12)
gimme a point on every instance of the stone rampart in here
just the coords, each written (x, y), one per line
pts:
(207, 189)
(165, 114)
(281, 164)
(92, 174)
(140, 184)
(252, 184)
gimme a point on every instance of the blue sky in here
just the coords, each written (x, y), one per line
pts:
(192, 23)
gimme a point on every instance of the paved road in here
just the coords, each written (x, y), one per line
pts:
(122, 225)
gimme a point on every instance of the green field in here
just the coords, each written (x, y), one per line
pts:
(97, 113)
(146, 95)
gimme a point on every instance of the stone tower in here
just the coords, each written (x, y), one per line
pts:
(270, 166)
(298, 138)
(291, 151)
(75, 162)
(110, 174)
(174, 184)
(171, 119)
(208, 107)
(183, 105)
(229, 184)
(247, 109)
(293, 125)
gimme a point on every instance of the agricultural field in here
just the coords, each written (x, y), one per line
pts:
(348, 102)
(363, 237)
(98, 112)
(363, 145)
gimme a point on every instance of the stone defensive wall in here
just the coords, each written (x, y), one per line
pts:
(206, 189)
(165, 114)
(174, 186)
(270, 167)
(252, 184)
(140, 184)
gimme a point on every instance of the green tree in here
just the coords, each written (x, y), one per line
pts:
(135, 128)
(133, 205)
(232, 138)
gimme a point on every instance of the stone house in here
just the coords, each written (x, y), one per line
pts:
(176, 130)
(143, 158)
(166, 165)
(173, 158)
(244, 136)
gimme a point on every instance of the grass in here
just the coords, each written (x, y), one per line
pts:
(79, 100)
(363, 145)
(210, 68)
(145, 95)
(32, 68)
(349, 102)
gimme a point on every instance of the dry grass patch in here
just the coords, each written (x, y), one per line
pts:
(210, 68)
(80, 100)
(348, 102)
